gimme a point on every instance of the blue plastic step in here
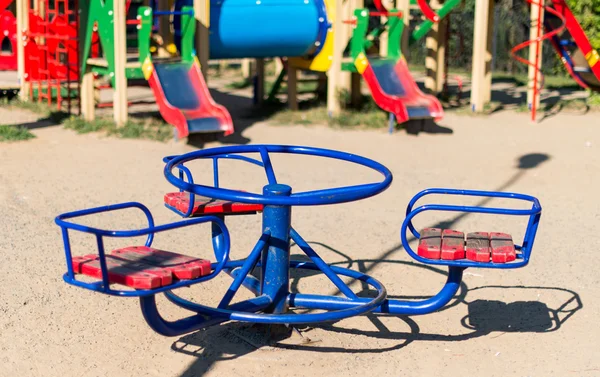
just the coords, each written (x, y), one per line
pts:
(581, 69)
(567, 42)
(418, 112)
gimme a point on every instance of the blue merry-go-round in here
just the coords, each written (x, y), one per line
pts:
(143, 271)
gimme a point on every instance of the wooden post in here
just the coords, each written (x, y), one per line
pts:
(431, 61)
(489, 56)
(347, 12)
(404, 7)
(339, 43)
(435, 60)
(120, 89)
(278, 65)
(247, 69)
(202, 14)
(88, 105)
(481, 56)
(535, 56)
(383, 37)
(441, 54)
(22, 27)
(292, 87)
(260, 81)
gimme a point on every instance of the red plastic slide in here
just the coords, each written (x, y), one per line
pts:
(395, 91)
(184, 100)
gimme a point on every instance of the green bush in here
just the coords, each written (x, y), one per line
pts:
(587, 13)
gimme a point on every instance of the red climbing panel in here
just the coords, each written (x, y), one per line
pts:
(51, 51)
(8, 40)
(450, 245)
(142, 267)
(203, 206)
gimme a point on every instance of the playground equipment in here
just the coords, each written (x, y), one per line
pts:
(181, 94)
(144, 271)
(389, 79)
(67, 45)
(570, 42)
(8, 36)
(550, 20)
(51, 53)
(573, 46)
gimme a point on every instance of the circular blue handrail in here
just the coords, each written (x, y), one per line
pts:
(318, 197)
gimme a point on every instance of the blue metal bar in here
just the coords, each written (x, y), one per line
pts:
(216, 172)
(359, 308)
(129, 233)
(260, 302)
(276, 258)
(246, 268)
(488, 194)
(218, 241)
(268, 166)
(60, 220)
(188, 173)
(389, 306)
(339, 196)
(102, 257)
(346, 191)
(192, 323)
(68, 255)
(242, 158)
(324, 267)
(250, 282)
(227, 156)
(537, 208)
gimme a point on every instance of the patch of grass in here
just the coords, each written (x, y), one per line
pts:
(35, 107)
(367, 117)
(522, 108)
(82, 126)
(594, 101)
(15, 133)
(45, 111)
(149, 129)
(550, 81)
(239, 84)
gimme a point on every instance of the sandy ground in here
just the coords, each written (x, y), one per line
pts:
(536, 321)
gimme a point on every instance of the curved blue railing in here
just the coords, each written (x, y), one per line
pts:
(317, 197)
(103, 286)
(534, 214)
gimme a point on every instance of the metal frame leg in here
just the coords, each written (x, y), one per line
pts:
(276, 257)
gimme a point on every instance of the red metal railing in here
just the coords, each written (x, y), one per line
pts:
(538, 80)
